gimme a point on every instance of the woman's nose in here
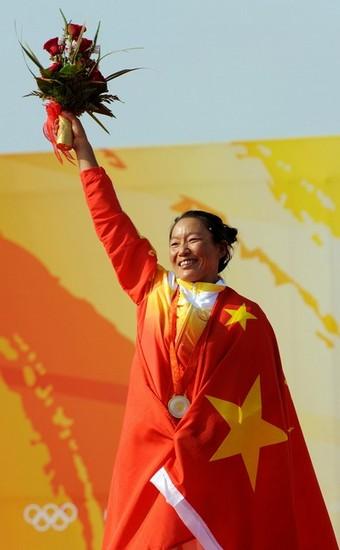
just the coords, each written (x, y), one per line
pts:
(183, 249)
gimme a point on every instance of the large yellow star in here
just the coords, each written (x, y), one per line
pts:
(248, 431)
(240, 315)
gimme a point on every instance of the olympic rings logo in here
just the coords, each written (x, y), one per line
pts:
(50, 515)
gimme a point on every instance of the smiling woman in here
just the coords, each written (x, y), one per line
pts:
(200, 246)
(211, 452)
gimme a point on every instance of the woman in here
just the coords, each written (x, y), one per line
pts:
(211, 451)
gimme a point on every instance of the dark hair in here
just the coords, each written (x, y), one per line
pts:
(220, 231)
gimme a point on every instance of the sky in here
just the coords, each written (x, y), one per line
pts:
(211, 71)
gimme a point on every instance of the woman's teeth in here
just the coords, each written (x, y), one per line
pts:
(186, 263)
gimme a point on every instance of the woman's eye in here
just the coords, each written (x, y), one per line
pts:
(173, 245)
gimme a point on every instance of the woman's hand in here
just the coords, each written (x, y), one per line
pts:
(81, 145)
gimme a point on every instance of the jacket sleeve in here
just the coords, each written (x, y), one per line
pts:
(132, 256)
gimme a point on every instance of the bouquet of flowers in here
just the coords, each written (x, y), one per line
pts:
(72, 82)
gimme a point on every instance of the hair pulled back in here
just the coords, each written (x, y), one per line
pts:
(220, 231)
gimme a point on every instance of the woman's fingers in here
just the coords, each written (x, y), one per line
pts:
(77, 127)
(79, 134)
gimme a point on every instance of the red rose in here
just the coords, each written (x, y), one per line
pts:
(55, 67)
(74, 30)
(85, 44)
(97, 76)
(52, 46)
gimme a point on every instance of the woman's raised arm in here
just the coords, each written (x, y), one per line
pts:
(132, 256)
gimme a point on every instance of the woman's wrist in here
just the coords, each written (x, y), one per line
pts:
(85, 155)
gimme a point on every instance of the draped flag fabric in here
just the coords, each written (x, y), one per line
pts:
(234, 472)
(67, 339)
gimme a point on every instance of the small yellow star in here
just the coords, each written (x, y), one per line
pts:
(248, 431)
(240, 315)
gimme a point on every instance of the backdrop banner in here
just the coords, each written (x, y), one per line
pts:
(67, 330)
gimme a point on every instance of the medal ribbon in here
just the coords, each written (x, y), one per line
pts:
(178, 372)
(182, 375)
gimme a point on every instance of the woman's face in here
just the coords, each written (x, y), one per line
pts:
(193, 253)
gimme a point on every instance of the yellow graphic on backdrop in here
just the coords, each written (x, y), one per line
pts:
(298, 177)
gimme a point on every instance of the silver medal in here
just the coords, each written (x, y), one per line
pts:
(178, 405)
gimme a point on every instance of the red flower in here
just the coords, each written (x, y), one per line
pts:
(97, 76)
(74, 30)
(52, 46)
(55, 67)
(85, 44)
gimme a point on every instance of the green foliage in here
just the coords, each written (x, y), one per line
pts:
(73, 79)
